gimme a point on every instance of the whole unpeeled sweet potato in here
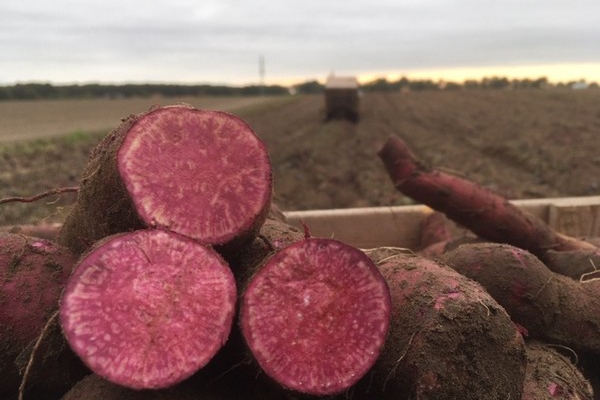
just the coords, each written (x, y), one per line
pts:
(33, 273)
(448, 338)
(551, 375)
(229, 387)
(483, 211)
(48, 366)
(552, 307)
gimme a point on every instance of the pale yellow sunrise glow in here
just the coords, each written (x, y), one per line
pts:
(565, 72)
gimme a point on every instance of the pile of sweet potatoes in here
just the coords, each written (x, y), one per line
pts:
(545, 280)
(173, 274)
(175, 277)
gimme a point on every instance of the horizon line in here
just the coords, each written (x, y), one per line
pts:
(554, 73)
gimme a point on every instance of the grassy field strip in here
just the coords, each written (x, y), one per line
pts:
(26, 120)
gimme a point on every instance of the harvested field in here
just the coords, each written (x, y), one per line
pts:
(524, 144)
(33, 119)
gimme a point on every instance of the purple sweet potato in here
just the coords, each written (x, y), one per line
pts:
(574, 263)
(202, 174)
(315, 316)
(33, 273)
(274, 235)
(232, 387)
(552, 307)
(148, 309)
(483, 211)
(448, 338)
(48, 366)
(94, 387)
(435, 228)
(552, 376)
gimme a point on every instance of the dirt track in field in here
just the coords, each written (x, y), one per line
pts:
(523, 144)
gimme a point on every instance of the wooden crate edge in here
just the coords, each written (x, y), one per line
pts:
(399, 226)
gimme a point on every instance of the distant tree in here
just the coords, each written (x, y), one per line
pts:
(425, 84)
(5, 93)
(402, 83)
(541, 83)
(471, 84)
(309, 87)
(451, 86)
(495, 83)
(379, 85)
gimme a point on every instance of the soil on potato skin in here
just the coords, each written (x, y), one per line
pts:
(551, 374)
(521, 143)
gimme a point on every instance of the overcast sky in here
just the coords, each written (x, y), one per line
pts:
(220, 41)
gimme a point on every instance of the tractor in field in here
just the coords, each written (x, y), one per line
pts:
(341, 98)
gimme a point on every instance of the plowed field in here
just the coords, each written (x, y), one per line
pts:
(524, 144)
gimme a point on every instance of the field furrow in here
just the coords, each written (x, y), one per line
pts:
(524, 144)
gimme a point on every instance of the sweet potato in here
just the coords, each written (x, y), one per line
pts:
(202, 174)
(483, 211)
(274, 235)
(574, 263)
(448, 338)
(48, 366)
(33, 273)
(435, 228)
(551, 375)
(94, 387)
(315, 316)
(552, 307)
(148, 309)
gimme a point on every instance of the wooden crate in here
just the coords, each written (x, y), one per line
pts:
(400, 225)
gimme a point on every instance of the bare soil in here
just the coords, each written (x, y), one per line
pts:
(523, 144)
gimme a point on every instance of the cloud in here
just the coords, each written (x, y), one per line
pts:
(221, 40)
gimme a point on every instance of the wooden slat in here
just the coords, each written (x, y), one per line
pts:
(579, 221)
(400, 225)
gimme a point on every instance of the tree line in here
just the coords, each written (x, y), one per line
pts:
(31, 91)
(405, 84)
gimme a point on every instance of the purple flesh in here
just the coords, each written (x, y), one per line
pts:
(316, 316)
(148, 309)
(204, 174)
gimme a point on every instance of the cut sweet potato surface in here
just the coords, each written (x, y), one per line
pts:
(203, 174)
(148, 309)
(316, 316)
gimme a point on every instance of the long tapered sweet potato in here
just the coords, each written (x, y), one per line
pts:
(148, 309)
(552, 307)
(448, 338)
(203, 174)
(33, 273)
(315, 316)
(480, 209)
